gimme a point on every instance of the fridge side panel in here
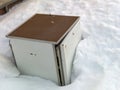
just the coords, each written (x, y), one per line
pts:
(35, 58)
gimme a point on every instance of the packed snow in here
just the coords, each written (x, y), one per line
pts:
(96, 64)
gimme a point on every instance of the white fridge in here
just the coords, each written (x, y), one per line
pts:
(45, 46)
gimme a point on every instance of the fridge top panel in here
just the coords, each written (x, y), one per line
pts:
(51, 28)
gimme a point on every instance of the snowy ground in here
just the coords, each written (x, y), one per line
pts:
(97, 62)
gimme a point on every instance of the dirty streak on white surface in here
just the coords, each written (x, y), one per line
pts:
(97, 60)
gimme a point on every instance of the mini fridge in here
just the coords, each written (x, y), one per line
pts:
(45, 46)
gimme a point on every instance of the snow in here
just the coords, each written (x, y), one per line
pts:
(97, 61)
(7, 68)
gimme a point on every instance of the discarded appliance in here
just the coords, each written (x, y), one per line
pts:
(45, 46)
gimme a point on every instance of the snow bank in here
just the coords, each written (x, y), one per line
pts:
(97, 60)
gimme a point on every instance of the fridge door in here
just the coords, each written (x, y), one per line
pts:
(67, 50)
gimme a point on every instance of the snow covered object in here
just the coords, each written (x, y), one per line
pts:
(6, 4)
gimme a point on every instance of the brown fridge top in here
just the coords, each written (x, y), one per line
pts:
(51, 28)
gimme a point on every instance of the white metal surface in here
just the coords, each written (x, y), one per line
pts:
(35, 58)
(68, 47)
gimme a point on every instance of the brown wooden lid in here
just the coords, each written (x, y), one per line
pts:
(51, 28)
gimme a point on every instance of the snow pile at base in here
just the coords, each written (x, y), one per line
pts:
(7, 68)
(97, 62)
(26, 83)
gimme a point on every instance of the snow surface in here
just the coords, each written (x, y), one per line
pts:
(97, 62)
(7, 68)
